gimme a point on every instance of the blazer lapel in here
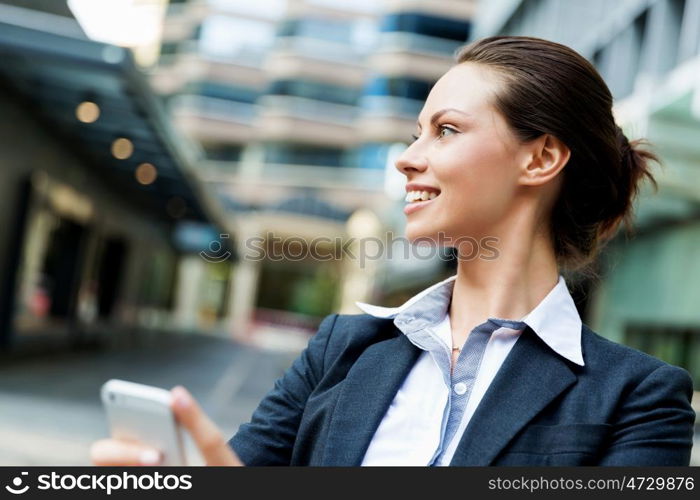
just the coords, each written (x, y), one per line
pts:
(368, 390)
(532, 375)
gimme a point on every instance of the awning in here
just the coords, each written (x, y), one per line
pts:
(54, 69)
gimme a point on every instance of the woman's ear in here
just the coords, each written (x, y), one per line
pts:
(547, 156)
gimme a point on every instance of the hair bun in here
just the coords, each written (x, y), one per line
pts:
(623, 143)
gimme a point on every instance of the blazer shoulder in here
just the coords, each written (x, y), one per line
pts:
(351, 334)
(362, 328)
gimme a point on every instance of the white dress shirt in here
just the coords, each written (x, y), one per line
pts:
(412, 432)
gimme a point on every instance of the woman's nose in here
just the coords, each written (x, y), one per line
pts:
(411, 161)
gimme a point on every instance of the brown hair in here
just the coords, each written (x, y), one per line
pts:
(551, 89)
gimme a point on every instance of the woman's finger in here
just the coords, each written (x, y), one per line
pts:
(112, 452)
(204, 432)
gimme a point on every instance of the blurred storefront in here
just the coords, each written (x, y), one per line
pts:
(93, 185)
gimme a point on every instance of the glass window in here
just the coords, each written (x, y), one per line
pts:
(304, 154)
(323, 29)
(372, 155)
(218, 90)
(169, 48)
(222, 151)
(408, 88)
(307, 287)
(315, 90)
(422, 24)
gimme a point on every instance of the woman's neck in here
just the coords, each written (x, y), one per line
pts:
(508, 286)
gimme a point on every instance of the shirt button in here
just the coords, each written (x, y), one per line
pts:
(460, 388)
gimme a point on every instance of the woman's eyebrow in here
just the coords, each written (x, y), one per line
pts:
(436, 116)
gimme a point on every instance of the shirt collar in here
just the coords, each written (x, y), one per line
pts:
(555, 319)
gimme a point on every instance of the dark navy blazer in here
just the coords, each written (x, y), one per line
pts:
(623, 407)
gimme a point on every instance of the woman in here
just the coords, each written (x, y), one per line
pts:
(518, 146)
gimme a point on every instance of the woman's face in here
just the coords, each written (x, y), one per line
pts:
(466, 153)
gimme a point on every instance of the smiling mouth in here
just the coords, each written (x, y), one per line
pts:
(417, 196)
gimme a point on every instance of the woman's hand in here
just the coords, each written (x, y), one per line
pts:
(207, 437)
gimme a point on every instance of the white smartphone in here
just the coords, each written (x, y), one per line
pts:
(142, 413)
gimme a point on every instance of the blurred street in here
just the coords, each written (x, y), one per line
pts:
(51, 410)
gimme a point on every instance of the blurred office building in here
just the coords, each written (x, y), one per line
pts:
(300, 108)
(98, 203)
(649, 54)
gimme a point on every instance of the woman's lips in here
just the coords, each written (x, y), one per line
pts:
(411, 207)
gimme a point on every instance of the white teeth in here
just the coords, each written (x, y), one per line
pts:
(412, 196)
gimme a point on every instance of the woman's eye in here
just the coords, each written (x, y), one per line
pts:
(444, 128)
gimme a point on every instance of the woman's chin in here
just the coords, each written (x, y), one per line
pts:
(416, 233)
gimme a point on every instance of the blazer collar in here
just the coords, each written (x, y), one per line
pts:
(555, 319)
